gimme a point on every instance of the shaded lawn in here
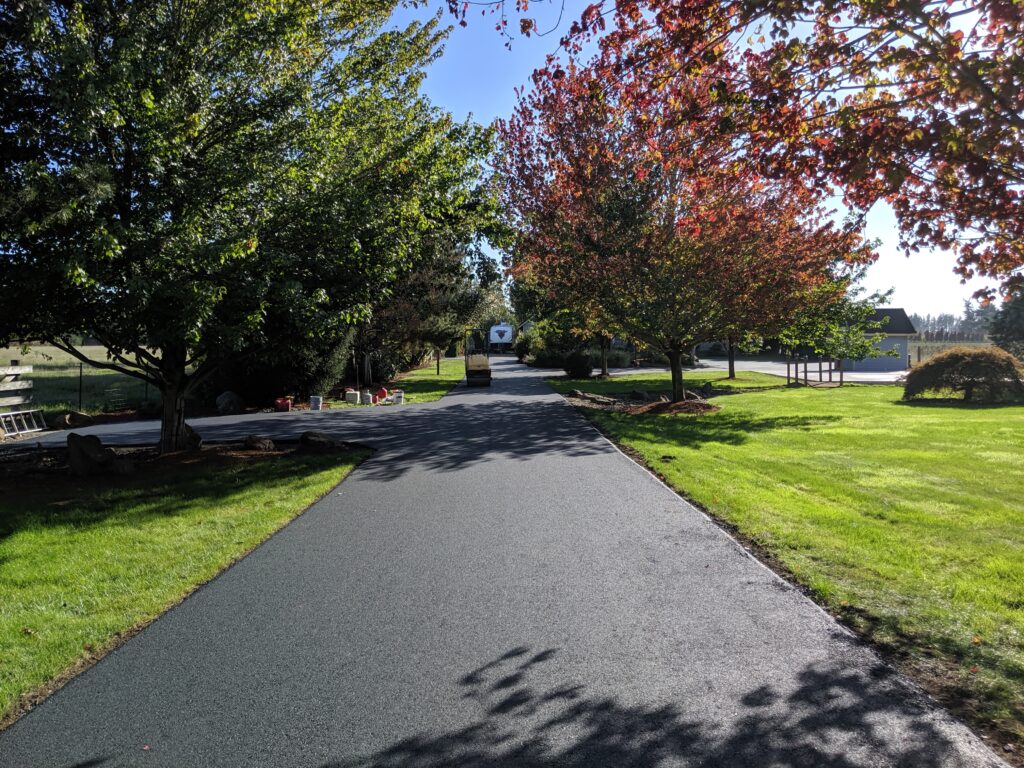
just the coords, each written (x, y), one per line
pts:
(83, 561)
(907, 520)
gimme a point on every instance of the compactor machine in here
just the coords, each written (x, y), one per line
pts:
(478, 364)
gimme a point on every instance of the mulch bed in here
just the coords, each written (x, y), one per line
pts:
(629, 404)
(49, 462)
(686, 406)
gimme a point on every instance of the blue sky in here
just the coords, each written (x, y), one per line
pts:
(477, 76)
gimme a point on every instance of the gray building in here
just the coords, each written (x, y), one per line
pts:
(898, 329)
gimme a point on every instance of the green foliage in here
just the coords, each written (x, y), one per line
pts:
(179, 175)
(840, 325)
(988, 374)
(1007, 327)
(521, 346)
(578, 364)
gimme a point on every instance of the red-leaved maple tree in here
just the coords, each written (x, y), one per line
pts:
(919, 103)
(637, 203)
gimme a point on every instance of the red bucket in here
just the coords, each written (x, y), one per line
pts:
(283, 404)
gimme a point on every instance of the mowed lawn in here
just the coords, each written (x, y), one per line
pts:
(906, 520)
(83, 562)
(424, 384)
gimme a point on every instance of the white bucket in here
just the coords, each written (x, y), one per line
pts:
(352, 397)
(316, 402)
(399, 396)
(366, 397)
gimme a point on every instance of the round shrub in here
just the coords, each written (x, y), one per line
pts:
(522, 345)
(578, 364)
(987, 374)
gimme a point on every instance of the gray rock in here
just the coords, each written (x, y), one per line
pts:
(598, 399)
(706, 390)
(257, 443)
(193, 441)
(229, 403)
(71, 420)
(88, 457)
(639, 394)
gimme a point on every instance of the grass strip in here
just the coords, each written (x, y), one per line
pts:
(84, 563)
(905, 520)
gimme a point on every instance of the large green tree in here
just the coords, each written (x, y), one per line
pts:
(177, 172)
(1007, 327)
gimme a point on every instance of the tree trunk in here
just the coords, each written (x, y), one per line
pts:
(605, 344)
(732, 359)
(173, 388)
(675, 363)
(437, 354)
(172, 421)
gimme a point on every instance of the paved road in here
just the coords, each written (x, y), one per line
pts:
(497, 586)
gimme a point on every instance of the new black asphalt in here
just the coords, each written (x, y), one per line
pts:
(497, 586)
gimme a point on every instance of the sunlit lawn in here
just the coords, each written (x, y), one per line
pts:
(423, 385)
(84, 561)
(908, 520)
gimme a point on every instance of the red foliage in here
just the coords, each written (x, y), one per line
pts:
(632, 199)
(917, 103)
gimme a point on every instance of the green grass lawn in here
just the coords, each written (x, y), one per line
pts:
(424, 385)
(906, 520)
(56, 380)
(82, 562)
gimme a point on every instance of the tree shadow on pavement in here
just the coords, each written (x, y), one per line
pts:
(837, 717)
(466, 434)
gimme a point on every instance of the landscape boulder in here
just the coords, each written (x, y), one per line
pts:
(87, 457)
(257, 443)
(71, 420)
(193, 440)
(639, 394)
(599, 399)
(229, 403)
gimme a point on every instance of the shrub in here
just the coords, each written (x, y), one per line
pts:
(578, 364)
(987, 374)
(521, 346)
(617, 358)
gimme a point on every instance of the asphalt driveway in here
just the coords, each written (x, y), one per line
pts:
(496, 586)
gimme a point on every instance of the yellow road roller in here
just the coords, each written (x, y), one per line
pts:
(478, 364)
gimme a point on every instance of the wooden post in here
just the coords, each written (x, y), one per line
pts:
(787, 371)
(807, 379)
(831, 367)
(840, 373)
(80, 387)
(821, 376)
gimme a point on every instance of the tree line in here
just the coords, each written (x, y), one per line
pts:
(217, 188)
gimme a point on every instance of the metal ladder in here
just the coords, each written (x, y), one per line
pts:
(22, 422)
(15, 391)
